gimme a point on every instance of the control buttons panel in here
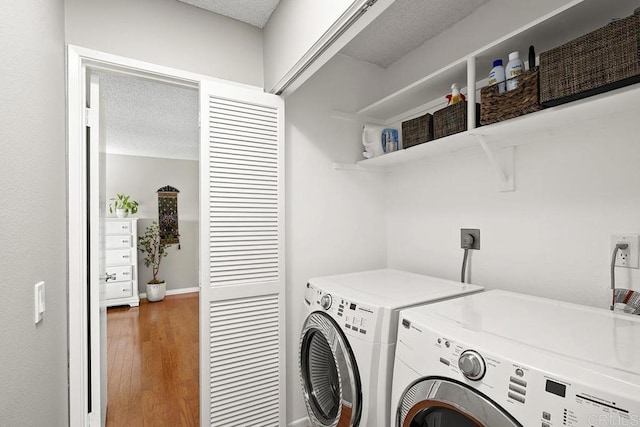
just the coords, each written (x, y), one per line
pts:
(517, 386)
(351, 316)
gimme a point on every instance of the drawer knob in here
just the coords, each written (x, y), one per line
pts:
(110, 277)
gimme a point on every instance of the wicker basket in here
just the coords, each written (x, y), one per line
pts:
(603, 60)
(524, 99)
(452, 119)
(417, 131)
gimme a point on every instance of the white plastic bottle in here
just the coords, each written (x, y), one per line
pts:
(515, 67)
(497, 75)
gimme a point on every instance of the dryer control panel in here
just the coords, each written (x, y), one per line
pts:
(354, 318)
(535, 388)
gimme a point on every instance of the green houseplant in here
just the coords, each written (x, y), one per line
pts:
(154, 250)
(123, 205)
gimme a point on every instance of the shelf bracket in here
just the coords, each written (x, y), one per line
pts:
(505, 171)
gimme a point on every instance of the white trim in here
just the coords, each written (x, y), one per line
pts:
(177, 291)
(302, 422)
(77, 327)
(106, 61)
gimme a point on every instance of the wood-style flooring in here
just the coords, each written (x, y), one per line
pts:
(152, 363)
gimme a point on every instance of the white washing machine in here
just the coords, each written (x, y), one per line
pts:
(501, 359)
(348, 341)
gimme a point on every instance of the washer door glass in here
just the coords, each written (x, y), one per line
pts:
(438, 402)
(441, 417)
(330, 379)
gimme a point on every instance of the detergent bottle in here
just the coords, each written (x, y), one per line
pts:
(497, 75)
(515, 67)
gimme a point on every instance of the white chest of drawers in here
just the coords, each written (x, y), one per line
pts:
(121, 261)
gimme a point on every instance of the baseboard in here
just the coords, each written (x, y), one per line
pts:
(177, 291)
(303, 422)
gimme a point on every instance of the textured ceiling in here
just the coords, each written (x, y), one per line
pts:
(147, 118)
(254, 12)
(404, 26)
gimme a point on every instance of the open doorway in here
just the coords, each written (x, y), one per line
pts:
(151, 137)
(241, 245)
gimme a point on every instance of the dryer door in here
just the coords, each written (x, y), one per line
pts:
(440, 402)
(330, 378)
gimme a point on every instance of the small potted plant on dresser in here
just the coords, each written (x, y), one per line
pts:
(123, 205)
(154, 250)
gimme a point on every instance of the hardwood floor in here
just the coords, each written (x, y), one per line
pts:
(152, 357)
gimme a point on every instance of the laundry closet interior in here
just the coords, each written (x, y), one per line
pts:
(573, 168)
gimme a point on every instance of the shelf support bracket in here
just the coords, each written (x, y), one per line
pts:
(505, 171)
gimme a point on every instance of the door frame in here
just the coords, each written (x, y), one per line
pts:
(79, 60)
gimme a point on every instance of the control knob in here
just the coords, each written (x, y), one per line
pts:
(472, 365)
(325, 301)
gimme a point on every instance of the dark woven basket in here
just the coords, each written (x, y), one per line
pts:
(452, 119)
(524, 99)
(605, 59)
(417, 131)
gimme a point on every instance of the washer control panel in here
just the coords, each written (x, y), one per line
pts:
(354, 318)
(533, 396)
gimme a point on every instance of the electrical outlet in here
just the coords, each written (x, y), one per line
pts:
(475, 238)
(626, 257)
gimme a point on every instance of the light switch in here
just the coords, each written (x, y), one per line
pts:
(39, 305)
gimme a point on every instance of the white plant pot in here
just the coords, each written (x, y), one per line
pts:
(156, 292)
(122, 213)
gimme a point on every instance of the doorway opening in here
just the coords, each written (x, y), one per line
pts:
(151, 137)
(88, 161)
(241, 244)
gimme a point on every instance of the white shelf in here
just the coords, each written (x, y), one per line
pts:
(571, 21)
(507, 134)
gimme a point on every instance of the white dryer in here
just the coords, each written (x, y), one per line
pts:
(501, 359)
(348, 341)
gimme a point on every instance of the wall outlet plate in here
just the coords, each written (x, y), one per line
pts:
(627, 258)
(475, 233)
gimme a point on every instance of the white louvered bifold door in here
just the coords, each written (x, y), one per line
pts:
(242, 304)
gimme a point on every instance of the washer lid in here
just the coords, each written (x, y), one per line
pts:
(587, 334)
(392, 289)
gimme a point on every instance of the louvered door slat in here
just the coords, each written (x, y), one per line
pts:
(232, 374)
(258, 151)
(245, 248)
(247, 143)
(237, 105)
(244, 382)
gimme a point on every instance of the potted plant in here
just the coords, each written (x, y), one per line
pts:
(123, 205)
(154, 250)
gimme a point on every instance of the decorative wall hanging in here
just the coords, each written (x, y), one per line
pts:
(168, 215)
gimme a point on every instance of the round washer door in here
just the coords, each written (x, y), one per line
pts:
(329, 374)
(441, 402)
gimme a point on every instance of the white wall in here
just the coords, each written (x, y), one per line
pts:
(141, 177)
(170, 33)
(334, 219)
(551, 237)
(33, 359)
